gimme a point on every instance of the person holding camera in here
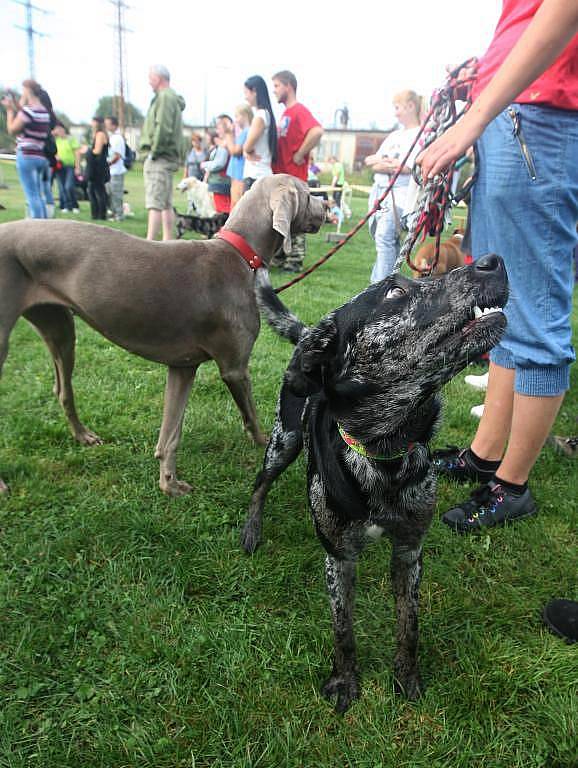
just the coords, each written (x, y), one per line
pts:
(29, 120)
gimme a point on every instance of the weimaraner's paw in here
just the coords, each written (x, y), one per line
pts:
(85, 437)
(3, 487)
(173, 487)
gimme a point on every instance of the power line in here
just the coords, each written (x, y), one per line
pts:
(30, 32)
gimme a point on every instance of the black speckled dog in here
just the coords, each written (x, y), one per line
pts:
(209, 227)
(361, 392)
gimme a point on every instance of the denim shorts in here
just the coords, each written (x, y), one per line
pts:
(525, 208)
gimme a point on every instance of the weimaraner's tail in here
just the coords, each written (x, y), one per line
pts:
(279, 317)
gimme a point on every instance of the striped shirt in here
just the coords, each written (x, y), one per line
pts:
(36, 129)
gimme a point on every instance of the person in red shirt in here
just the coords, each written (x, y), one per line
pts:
(525, 99)
(524, 122)
(298, 133)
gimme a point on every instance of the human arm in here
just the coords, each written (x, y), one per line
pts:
(255, 132)
(232, 147)
(553, 26)
(311, 140)
(218, 163)
(15, 118)
(99, 142)
(164, 121)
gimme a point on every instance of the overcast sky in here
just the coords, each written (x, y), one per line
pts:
(360, 57)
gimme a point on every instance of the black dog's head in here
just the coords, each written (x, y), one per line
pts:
(400, 340)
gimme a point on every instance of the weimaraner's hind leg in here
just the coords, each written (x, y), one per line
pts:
(239, 384)
(179, 383)
(56, 326)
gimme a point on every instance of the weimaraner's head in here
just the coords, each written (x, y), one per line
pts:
(292, 209)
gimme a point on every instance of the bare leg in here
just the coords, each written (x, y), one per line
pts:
(168, 220)
(532, 420)
(239, 384)
(56, 326)
(405, 578)
(494, 428)
(342, 683)
(154, 224)
(179, 383)
(522, 420)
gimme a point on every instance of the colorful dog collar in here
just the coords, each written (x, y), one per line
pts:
(359, 448)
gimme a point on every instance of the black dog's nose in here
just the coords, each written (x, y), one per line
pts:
(488, 263)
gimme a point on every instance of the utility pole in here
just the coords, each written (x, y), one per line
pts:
(30, 32)
(120, 96)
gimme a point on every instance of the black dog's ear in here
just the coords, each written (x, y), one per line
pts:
(305, 374)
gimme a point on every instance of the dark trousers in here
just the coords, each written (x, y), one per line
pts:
(98, 199)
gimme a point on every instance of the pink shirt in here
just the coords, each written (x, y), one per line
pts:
(557, 86)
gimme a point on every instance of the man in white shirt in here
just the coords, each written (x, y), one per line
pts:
(116, 152)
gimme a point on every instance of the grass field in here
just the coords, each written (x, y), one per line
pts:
(134, 632)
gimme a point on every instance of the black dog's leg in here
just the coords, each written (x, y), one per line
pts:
(405, 578)
(343, 682)
(282, 449)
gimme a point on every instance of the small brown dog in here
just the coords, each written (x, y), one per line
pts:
(451, 256)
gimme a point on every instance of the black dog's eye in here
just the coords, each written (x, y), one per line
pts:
(395, 293)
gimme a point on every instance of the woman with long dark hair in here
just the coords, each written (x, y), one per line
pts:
(260, 148)
(97, 171)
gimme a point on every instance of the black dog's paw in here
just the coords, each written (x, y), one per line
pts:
(344, 686)
(408, 681)
(250, 535)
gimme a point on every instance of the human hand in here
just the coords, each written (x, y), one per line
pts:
(298, 158)
(9, 102)
(449, 147)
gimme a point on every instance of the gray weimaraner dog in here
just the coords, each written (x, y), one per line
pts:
(177, 303)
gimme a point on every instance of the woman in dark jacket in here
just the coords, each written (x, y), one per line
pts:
(97, 172)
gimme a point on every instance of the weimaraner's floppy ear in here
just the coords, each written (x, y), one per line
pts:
(305, 374)
(284, 203)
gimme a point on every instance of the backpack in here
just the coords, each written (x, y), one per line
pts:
(129, 156)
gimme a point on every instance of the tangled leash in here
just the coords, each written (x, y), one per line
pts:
(434, 197)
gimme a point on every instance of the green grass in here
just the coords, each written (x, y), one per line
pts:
(134, 632)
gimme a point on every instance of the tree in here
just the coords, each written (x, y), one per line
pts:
(132, 115)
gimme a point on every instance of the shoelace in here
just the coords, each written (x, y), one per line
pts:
(447, 457)
(487, 499)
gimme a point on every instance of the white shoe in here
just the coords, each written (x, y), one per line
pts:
(76, 210)
(477, 411)
(64, 210)
(478, 382)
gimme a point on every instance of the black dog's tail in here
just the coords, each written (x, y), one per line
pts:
(281, 319)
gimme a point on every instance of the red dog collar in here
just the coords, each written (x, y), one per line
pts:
(242, 246)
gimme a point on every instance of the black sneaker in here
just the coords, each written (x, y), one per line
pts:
(489, 506)
(561, 617)
(456, 463)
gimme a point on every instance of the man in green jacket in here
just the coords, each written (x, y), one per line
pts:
(162, 140)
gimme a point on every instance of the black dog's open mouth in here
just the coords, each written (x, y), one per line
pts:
(487, 317)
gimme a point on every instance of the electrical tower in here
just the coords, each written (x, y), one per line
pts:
(30, 32)
(120, 96)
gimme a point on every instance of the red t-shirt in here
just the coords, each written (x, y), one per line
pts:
(294, 125)
(557, 86)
